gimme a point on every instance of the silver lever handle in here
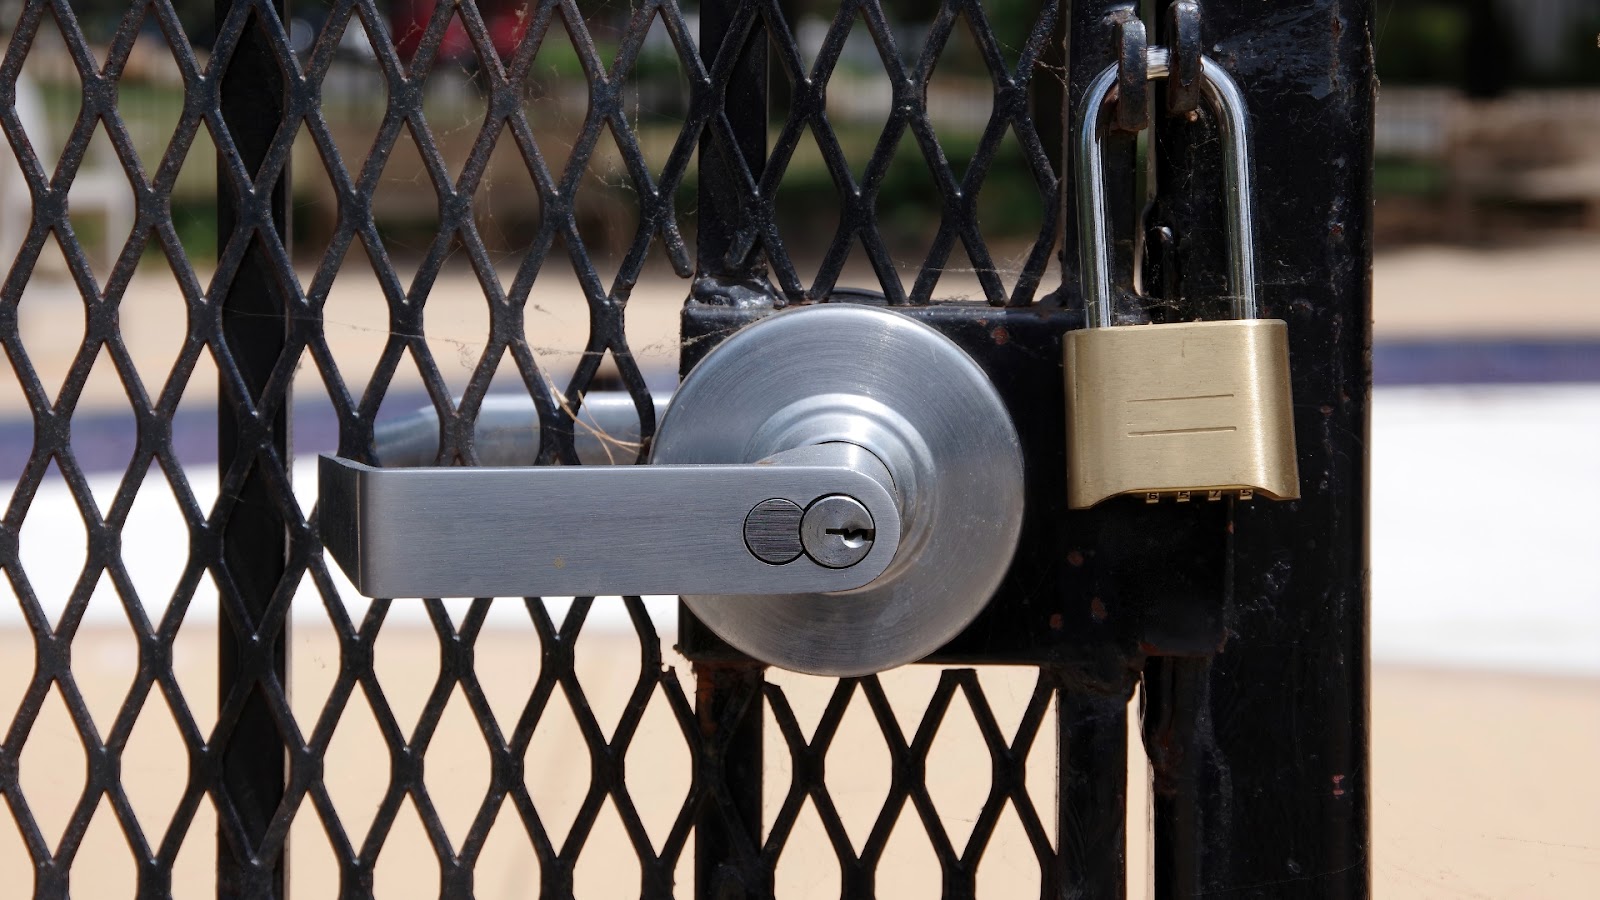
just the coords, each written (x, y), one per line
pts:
(835, 489)
(815, 519)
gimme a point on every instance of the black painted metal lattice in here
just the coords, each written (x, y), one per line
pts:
(260, 767)
(1245, 626)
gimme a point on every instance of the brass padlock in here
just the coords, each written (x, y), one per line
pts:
(1189, 409)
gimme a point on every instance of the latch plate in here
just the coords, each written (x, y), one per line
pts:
(1091, 592)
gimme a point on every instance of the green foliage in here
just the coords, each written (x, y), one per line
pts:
(1408, 177)
(557, 58)
(196, 224)
(655, 64)
(1422, 44)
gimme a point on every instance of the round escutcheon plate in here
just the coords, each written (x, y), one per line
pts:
(879, 379)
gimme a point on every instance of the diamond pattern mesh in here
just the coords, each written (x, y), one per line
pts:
(408, 778)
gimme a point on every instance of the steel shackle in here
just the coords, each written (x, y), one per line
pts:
(1094, 253)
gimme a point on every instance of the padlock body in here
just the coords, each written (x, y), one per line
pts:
(1200, 407)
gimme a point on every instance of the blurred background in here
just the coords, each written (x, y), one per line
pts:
(1485, 435)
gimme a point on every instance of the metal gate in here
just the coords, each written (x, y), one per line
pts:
(1245, 625)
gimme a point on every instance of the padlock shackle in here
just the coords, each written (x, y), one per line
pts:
(1094, 248)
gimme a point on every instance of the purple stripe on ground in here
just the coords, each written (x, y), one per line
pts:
(103, 440)
(1485, 362)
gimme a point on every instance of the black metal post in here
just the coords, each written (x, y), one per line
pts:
(1092, 795)
(1263, 791)
(255, 541)
(729, 693)
(722, 218)
(727, 836)
(1178, 737)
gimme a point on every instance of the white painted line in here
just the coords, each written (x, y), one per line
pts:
(1485, 535)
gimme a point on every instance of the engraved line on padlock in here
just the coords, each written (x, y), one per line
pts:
(1182, 408)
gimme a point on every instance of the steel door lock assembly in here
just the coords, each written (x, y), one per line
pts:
(836, 489)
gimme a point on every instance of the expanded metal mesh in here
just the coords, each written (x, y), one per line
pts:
(260, 767)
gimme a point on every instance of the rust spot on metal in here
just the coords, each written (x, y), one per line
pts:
(704, 691)
(1000, 335)
(1097, 609)
(1075, 558)
(1338, 788)
(1056, 622)
(712, 678)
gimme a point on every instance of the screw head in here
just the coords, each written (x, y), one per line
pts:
(837, 531)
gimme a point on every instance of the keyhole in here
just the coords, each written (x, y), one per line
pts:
(837, 531)
(851, 537)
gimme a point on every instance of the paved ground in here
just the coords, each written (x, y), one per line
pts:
(1546, 289)
(1459, 809)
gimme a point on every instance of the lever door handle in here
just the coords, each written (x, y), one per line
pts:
(507, 431)
(586, 530)
(834, 489)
